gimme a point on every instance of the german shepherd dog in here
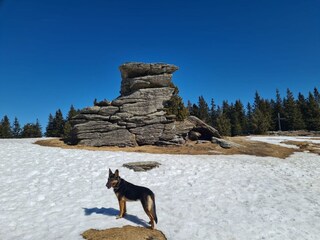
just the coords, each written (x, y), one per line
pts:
(126, 191)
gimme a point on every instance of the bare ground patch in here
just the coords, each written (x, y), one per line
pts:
(243, 146)
(124, 233)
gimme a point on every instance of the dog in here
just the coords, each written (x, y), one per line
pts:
(126, 191)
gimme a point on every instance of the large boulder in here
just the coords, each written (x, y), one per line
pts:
(138, 116)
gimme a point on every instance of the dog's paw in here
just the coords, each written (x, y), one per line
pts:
(118, 217)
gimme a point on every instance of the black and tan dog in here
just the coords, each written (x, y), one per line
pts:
(126, 191)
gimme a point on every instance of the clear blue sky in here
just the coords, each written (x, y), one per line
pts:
(56, 53)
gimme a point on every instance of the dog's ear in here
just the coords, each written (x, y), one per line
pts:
(110, 172)
(116, 173)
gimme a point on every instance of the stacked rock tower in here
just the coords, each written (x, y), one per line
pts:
(138, 116)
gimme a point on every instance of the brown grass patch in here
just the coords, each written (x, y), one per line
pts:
(244, 146)
(306, 146)
(124, 233)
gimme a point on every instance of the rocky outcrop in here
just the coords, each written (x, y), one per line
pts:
(138, 116)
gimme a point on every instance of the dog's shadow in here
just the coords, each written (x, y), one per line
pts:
(115, 212)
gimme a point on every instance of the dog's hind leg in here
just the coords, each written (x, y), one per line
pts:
(147, 204)
(151, 219)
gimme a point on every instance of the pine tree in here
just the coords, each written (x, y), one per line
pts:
(313, 114)
(213, 114)
(58, 124)
(55, 127)
(72, 112)
(223, 119)
(293, 115)
(277, 110)
(261, 115)
(203, 110)
(31, 130)
(189, 107)
(27, 131)
(303, 107)
(316, 95)
(194, 110)
(67, 128)
(37, 129)
(175, 105)
(5, 128)
(224, 125)
(237, 118)
(225, 107)
(67, 131)
(16, 129)
(50, 127)
(257, 101)
(249, 127)
(260, 125)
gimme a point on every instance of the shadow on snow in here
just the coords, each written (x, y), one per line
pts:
(115, 212)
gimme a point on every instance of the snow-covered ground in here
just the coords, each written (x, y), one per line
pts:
(53, 193)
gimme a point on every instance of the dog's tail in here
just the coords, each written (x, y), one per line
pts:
(154, 213)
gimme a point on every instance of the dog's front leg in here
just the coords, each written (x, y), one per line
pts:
(125, 208)
(122, 206)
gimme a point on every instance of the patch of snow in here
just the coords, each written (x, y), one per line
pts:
(53, 193)
(279, 139)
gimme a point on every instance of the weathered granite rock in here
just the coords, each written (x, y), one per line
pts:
(141, 166)
(138, 116)
(224, 143)
(206, 131)
(136, 69)
(130, 85)
(119, 137)
(194, 135)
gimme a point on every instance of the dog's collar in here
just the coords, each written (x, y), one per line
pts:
(118, 184)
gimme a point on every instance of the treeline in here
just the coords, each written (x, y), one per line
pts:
(14, 130)
(288, 113)
(58, 126)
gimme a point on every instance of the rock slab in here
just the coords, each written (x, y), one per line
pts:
(141, 166)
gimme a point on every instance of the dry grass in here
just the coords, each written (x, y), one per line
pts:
(124, 233)
(245, 146)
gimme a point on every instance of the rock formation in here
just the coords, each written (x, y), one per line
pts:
(138, 116)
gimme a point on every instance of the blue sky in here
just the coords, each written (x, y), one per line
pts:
(56, 53)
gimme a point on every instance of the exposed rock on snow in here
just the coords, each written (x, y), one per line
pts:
(138, 116)
(141, 166)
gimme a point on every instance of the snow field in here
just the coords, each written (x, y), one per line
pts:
(53, 193)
